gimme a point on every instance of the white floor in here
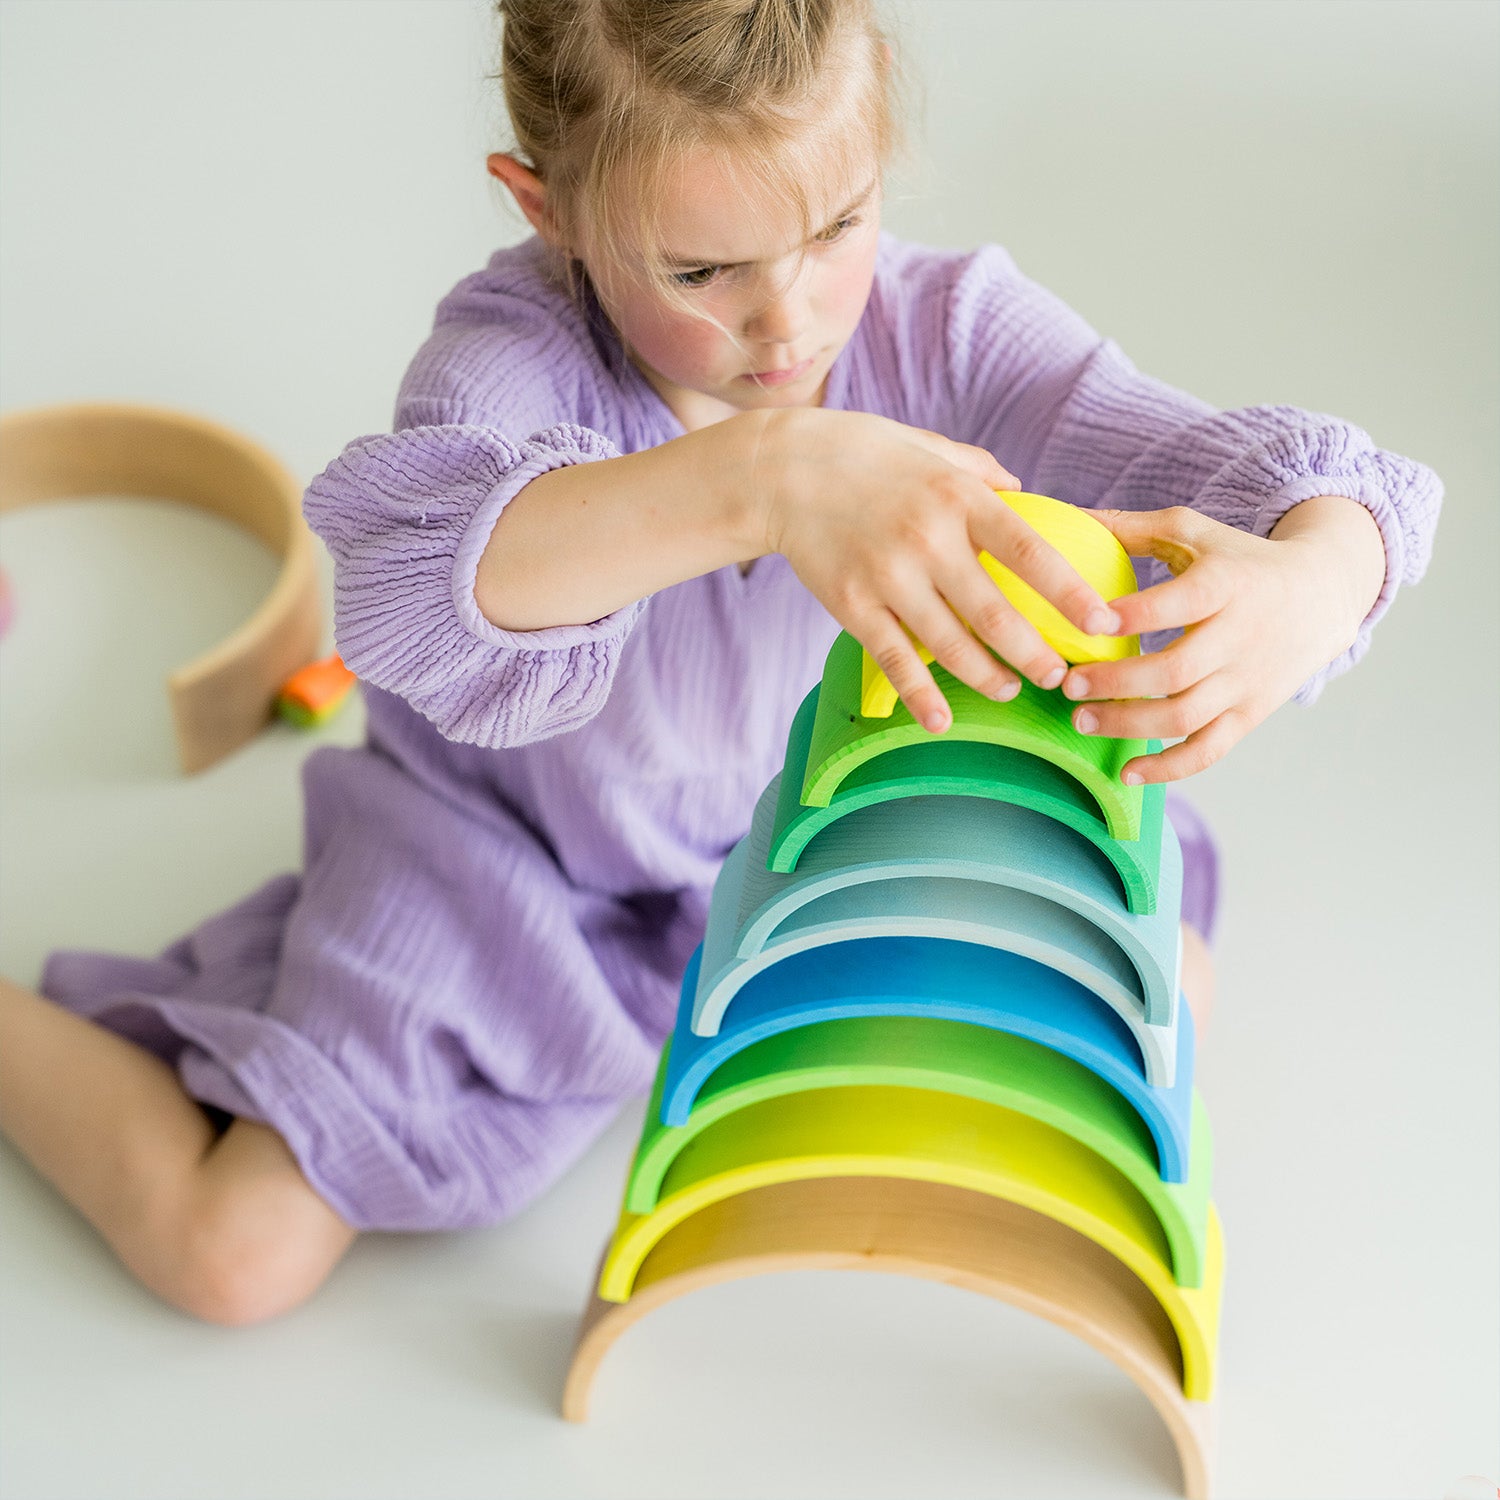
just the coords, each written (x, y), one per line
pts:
(1260, 203)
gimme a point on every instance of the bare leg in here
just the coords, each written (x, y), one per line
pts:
(1197, 979)
(226, 1228)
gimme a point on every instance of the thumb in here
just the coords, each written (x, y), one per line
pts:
(1168, 534)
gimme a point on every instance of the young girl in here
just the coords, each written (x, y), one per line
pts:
(648, 464)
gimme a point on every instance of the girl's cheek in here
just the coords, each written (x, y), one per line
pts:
(682, 343)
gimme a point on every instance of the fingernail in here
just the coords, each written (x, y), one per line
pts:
(1053, 677)
(1077, 688)
(1006, 693)
(1085, 722)
(1132, 778)
(935, 722)
(1102, 622)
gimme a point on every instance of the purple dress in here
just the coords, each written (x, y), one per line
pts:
(501, 888)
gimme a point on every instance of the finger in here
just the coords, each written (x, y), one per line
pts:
(1008, 539)
(1196, 753)
(1158, 674)
(972, 459)
(1157, 718)
(983, 464)
(932, 620)
(1196, 594)
(893, 652)
(972, 595)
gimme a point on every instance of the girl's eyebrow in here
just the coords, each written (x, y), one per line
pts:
(693, 261)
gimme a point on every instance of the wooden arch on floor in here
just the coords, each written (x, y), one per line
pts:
(225, 696)
(929, 1230)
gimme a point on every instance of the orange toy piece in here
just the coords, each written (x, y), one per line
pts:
(316, 692)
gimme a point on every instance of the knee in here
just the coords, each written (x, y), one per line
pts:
(238, 1266)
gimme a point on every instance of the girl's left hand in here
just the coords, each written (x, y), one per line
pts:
(1260, 616)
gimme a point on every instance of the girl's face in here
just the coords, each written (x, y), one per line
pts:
(735, 258)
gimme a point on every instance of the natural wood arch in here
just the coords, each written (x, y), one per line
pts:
(925, 1229)
(225, 696)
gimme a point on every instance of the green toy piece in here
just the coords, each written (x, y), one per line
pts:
(940, 766)
(952, 1057)
(1036, 722)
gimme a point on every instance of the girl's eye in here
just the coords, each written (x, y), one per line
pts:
(835, 231)
(701, 276)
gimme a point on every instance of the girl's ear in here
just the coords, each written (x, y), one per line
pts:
(527, 189)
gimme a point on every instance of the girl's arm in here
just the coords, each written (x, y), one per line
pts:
(406, 516)
(492, 583)
(491, 580)
(581, 542)
(1199, 494)
(871, 513)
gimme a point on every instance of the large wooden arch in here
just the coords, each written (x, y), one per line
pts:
(929, 1230)
(225, 696)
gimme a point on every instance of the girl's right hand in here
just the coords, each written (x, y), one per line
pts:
(884, 523)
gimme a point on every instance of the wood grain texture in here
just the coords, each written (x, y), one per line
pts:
(224, 697)
(923, 1229)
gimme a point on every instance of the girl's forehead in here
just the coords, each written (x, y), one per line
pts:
(712, 210)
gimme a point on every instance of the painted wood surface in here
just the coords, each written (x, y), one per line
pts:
(952, 981)
(934, 1137)
(983, 872)
(940, 766)
(1037, 722)
(1096, 555)
(920, 1052)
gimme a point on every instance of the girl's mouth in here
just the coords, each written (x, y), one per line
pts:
(781, 377)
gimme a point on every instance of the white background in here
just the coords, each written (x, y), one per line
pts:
(248, 209)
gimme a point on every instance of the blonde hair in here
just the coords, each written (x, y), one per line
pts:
(607, 97)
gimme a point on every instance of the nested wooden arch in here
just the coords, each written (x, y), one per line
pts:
(225, 696)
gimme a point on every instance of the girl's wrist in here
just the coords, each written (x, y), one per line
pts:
(756, 464)
(1349, 551)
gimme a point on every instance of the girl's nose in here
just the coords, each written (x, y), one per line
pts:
(781, 316)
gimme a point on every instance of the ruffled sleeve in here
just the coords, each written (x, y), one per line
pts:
(1070, 414)
(406, 516)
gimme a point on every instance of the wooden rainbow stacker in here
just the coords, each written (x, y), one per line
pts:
(935, 1026)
